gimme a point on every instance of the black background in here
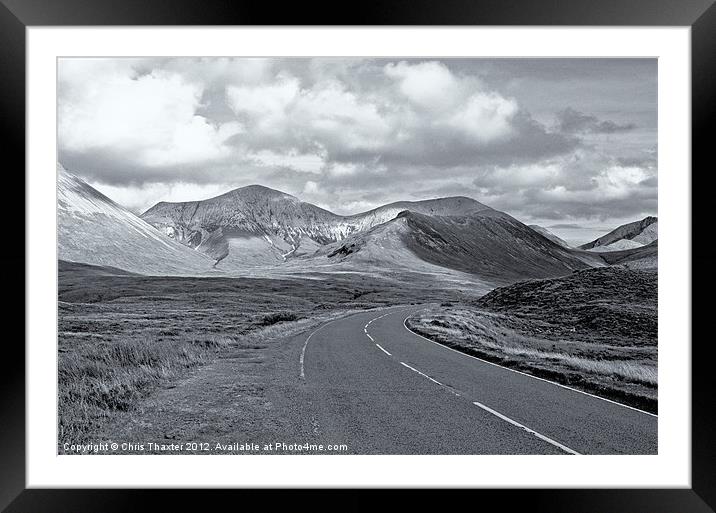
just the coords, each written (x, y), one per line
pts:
(15, 15)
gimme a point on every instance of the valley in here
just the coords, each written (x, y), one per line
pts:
(214, 302)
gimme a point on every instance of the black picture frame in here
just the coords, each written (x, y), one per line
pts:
(700, 15)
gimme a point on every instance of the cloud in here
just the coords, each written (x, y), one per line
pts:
(149, 118)
(584, 185)
(139, 198)
(573, 121)
(351, 134)
(429, 85)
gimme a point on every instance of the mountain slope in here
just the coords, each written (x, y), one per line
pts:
(641, 232)
(92, 229)
(551, 236)
(255, 225)
(645, 257)
(489, 244)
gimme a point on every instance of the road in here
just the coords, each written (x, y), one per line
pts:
(368, 382)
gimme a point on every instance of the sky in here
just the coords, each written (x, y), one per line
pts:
(570, 144)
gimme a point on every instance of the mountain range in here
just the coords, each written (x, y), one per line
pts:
(257, 228)
(255, 225)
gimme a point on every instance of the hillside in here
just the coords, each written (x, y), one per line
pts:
(551, 236)
(258, 226)
(92, 229)
(645, 257)
(489, 244)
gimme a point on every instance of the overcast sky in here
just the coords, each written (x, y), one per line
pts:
(567, 143)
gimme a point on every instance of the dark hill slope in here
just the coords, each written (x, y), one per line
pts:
(489, 244)
(608, 302)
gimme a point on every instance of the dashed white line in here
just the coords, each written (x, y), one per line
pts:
(499, 415)
(524, 373)
(365, 329)
(522, 426)
(381, 348)
(423, 375)
(305, 344)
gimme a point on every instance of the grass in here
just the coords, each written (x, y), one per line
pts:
(98, 378)
(594, 330)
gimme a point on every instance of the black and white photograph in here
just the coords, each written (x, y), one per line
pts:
(351, 256)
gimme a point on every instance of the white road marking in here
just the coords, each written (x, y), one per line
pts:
(524, 373)
(305, 345)
(381, 348)
(522, 426)
(498, 414)
(379, 317)
(423, 375)
(365, 329)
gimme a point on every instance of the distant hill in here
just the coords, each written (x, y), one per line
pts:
(551, 236)
(627, 236)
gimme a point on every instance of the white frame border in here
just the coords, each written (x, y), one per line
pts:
(670, 468)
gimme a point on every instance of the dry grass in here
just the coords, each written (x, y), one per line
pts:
(107, 377)
(121, 337)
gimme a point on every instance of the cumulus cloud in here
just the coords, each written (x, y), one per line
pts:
(428, 85)
(151, 118)
(352, 134)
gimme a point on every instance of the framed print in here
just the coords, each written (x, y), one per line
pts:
(414, 249)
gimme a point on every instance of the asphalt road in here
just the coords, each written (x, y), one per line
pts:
(368, 382)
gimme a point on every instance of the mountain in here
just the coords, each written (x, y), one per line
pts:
(258, 226)
(551, 236)
(627, 236)
(92, 229)
(486, 243)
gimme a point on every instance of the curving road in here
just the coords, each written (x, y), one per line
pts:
(369, 382)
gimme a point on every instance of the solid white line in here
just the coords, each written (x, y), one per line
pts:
(522, 426)
(423, 375)
(381, 348)
(524, 373)
(305, 345)
(371, 338)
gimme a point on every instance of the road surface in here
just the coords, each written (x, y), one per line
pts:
(368, 382)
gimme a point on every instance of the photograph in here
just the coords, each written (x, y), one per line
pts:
(357, 255)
